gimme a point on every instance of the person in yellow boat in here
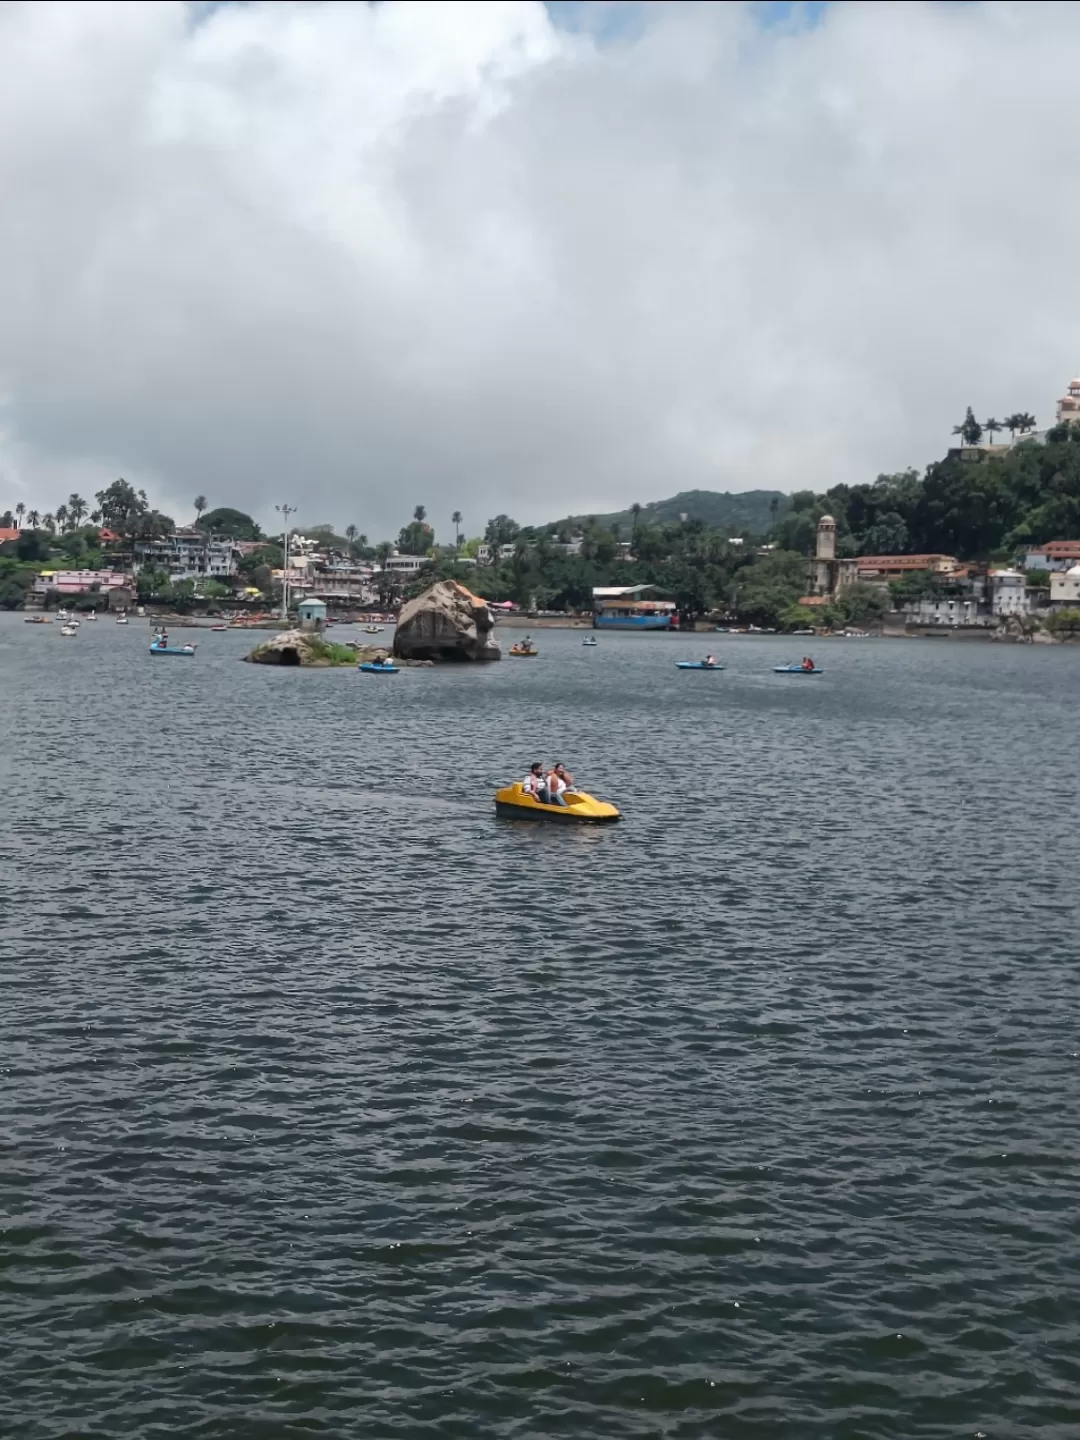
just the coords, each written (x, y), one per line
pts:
(535, 784)
(559, 781)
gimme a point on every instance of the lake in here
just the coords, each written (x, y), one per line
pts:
(333, 1106)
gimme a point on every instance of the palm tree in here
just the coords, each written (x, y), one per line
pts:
(1012, 424)
(95, 517)
(1026, 422)
(361, 542)
(62, 516)
(76, 509)
(351, 534)
(20, 511)
(33, 519)
(419, 514)
(774, 509)
(49, 521)
(383, 552)
(991, 427)
(455, 520)
(200, 506)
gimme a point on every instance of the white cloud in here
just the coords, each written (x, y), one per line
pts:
(362, 257)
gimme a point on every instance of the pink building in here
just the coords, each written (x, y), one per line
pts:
(78, 582)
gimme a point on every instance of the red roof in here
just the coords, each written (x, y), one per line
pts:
(108, 535)
(8, 535)
(1057, 547)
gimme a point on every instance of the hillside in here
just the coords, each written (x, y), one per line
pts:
(746, 510)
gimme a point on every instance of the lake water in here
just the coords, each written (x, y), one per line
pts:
(333, 1106)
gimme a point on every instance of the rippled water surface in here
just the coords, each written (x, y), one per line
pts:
(331, 1105)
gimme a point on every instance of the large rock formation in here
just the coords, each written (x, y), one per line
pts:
(300, 647)
(446, 622)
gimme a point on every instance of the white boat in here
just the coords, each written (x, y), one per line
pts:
(61, 614)
(90, 615)
(121, 620)
(68, 630)
(74, 622)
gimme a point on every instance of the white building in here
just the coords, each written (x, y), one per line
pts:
(188, 555)
(405, 565)
(950, 612)
(1054, 555)
(1065, 587)
(1008, 593)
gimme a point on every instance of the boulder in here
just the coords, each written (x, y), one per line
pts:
(446, 622)
(298, 647)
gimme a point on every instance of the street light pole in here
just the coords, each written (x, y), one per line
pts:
(286, 511)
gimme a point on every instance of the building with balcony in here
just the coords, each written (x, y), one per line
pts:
(188, 555)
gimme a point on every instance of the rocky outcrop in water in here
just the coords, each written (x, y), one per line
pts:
(299, 647)
(446, 622)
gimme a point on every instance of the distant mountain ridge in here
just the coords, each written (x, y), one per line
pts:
(724, 510)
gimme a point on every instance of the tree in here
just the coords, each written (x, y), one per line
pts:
(121, 507)
(456, 520)
(77, 508)
(417, 537)
(200, 506)
(992, 426)
(20, 510)
(62, 517)
(383, 551)
(351, 533)
(501, 531)
(774, 509)
(969, 430)
(887, 536)
(229, 524)
(1012, 424)
(49, 522)
(33, 519)
(1026, 422)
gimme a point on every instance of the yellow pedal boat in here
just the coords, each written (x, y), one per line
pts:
(515, 803)
(521, 652)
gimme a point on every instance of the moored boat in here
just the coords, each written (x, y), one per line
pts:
(157, 648)
(372, 667)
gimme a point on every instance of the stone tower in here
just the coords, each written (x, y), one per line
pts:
(823, 565)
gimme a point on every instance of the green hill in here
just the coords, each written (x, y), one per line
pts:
(747, 510)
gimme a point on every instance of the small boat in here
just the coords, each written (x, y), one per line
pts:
(695, 665)
(121, 620)
(219, 627)
(591, 642)
(68, 630)
(158, 649)
(373, 629)
(37, 620)
(796, 670)
(61, 614)
(90, 615)
(523, 652)
(74, 622)
(515, 803)
(372, 667)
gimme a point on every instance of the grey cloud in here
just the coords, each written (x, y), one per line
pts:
(362, 257)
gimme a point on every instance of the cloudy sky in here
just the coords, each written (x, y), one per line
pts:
(502, 256)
